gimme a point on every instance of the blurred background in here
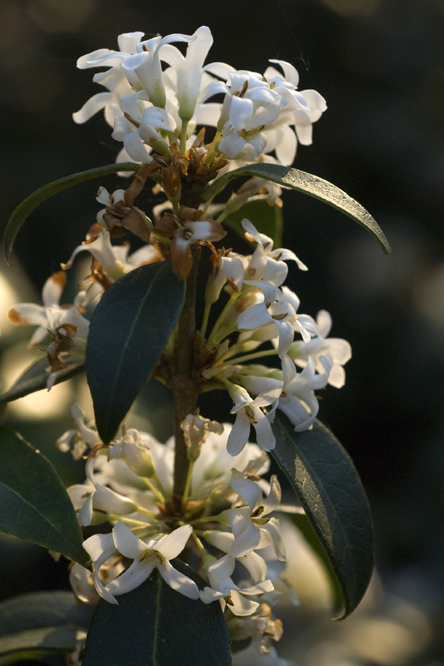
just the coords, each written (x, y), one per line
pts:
(380, 66)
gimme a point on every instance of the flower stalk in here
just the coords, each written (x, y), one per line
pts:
(183, 386)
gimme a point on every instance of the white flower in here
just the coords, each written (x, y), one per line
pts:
(30, 314)
(223, 588)
(90, 496)
(250, 527)
(146, 556)
(81, 435)
(248, 412)
(134, 452)
(187, 70)
(278, 318)
(298, 401)
(336, 349)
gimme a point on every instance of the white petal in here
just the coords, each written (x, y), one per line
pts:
(173, 544)
(239, 434)
(245, 542)
(134, 576)
(126, 542)
(178, 581)
(91, 107)
(254, 317)
(247, 489)
(264, 434)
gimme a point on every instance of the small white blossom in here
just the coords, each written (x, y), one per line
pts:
(223, 588)
(155, 553)
(249, 412)
(249, 524)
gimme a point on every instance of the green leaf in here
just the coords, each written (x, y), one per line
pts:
(129, 330)
(328, 486)
(34, 378)
(37, 643)
(34, 505)
(37, 610)
(25, 208)
(308, 184)
(267, 219)
(155, 626)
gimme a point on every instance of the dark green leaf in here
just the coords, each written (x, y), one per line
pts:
(326, 483)
(25, 208)
(267, 219)
(305, 528)
(129, 329)
(155, 626)
(309, 184)
(34, 378)
(37, 643)
(37, 610)
(34, 505)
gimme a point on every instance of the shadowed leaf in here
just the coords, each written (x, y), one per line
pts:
(162, 626)
(34, 505)
(308, 184)
(129, 330)
(25, 208)
(328, 486)
(34, 378)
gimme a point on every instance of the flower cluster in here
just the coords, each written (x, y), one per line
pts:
(156, 97)
(160, 103)
(226, 518)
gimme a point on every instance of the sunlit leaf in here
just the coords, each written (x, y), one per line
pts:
(37, 610)
(155, 626)
(308, 184)
(327, 485)
(25, 208)
(34, 505)
(267, 219)
(129, 329)
(34, 378)
(37, 643)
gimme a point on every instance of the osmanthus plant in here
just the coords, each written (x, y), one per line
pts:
(184, 556)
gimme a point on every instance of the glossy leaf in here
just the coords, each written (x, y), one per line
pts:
(328, 486)
(129, 329)
(34, 505)
(37, 610)
(34, 378)
(37, 643)
(25, 208)
(308, 184)
(267, 219)
(161, 626)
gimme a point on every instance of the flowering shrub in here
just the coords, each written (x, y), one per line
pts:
(184, 548)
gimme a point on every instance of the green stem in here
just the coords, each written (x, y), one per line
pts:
(183, 137)
(186, 491)
(213, 335)
(157, 494)
(183, 385)
(206, 315)
(251, 357)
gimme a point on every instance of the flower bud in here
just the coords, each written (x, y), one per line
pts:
(134, 453)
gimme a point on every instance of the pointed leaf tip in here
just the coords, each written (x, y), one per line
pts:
(129, 330)
(25, 208)
(34, 505)
(161, 625)
(314, 186)
(327, 484)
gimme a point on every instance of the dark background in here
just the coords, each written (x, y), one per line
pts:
(380, 66)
